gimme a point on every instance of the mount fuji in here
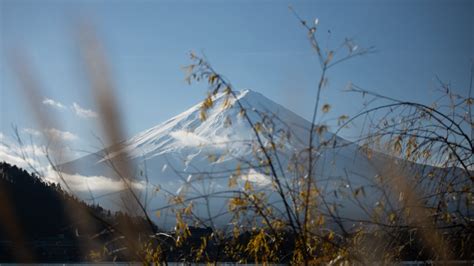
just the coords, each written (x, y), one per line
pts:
(192, 156)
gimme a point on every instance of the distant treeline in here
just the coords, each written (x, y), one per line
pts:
(39, 221)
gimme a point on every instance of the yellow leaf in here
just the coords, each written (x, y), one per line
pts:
(248, 186)
(232, 181)
(237, 169)
(326, 108)
(207, 103)
(236, 203)
(329, 57)
(392, 217)
(398, 145)
(212, 78)
(272, 145)
(212, 158)
(188, 209)
(367, 150)
(226, 104)
(321, 129)
(320, 220)
(331, 235)
(202, 115)
(342, 119)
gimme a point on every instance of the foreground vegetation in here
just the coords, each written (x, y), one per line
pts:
(424, 187)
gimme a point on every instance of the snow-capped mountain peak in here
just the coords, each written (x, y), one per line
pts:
(224, 124)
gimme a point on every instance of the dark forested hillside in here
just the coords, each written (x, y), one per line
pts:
(39, 221)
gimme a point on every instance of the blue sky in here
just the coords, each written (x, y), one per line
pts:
(256, 44)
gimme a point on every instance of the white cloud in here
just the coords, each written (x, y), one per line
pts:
(81, 183)
(34, 150)
(82, 112)
(78, 183)
(9, 156)
(31, 131)
(35, 154)
(61, 135)
(52, 133)
(25, 156)
(34, 158)
(53, 103)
